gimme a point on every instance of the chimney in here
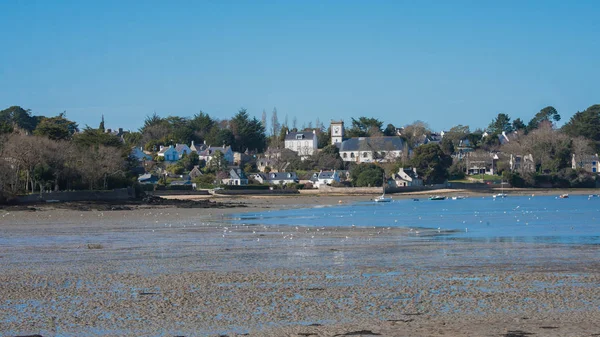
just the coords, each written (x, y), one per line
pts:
(120, 130)
(192, 143)
(205, 142)
(314, 132)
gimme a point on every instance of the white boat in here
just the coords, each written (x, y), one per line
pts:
(458, 197)
(501, 194)
(383, 198)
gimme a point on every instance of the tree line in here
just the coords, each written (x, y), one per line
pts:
(39, 153)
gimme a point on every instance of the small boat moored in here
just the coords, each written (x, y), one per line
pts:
(437, 197)
(564, 196)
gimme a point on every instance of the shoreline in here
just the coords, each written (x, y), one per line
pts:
(187, 272)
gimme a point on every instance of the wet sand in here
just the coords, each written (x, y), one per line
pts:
(187, 272)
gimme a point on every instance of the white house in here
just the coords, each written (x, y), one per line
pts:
(169, 153)
(208, 153)
(407, 177)
(139, 154)
(276, 178)
(303, 143)
(522, 164)
(236, 177)
(590, 163)
(372, 149)
(325, 178)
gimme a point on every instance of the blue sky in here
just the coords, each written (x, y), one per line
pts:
(443, 62)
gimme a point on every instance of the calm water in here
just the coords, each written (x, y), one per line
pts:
(575, 220)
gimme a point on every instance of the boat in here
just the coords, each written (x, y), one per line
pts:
(501, 194)
(437, 197)
(459, 197)
(383, 198)
(564, 196)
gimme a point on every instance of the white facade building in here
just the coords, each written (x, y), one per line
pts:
(303, 143)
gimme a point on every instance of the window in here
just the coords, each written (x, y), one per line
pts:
(345, 155)
(351, 154)
(382, 153)
(365, 155)
(299, 136)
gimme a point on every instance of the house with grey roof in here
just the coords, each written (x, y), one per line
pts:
(372, 149)
(148, 179)
(183, 149)
(325, 178)
(237, 177)
(169, 153)
(590, 163)
(209, 152)
(303, 143)
(195, 172)
(198, 147)
(276, 178)
(138, 154)
(407, 177)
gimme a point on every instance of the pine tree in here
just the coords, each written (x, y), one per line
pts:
(101, 128)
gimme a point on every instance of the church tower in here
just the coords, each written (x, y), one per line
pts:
(337, 132)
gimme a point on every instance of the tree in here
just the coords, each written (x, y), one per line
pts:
(518, 125)
(366, 174)
(364, 126)
(390, 130)
(547, 114)
(248, 134)
(586, 124)
(263, 120)
(201, 124)
(19, 117)
(500, 124)
(431, 163)
(217, 163)
(56, 128)
(274, 123)
(447, 146)
(94, 137)
(457, 133)
(414, 133)
(101, 127)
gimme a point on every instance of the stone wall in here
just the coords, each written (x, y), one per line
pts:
(113, 195)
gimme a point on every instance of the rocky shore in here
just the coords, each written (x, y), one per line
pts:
(189, 272)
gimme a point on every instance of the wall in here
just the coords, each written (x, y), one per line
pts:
(256, 192)
(114, 195)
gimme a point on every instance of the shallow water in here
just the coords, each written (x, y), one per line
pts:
(546, 219)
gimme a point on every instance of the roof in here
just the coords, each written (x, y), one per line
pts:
(281, 176)
(212, 149)
(147, 176)
(181, 147)
(165, 149)
(373, 144)
(237, 174)
(326, 174)
(305, 135)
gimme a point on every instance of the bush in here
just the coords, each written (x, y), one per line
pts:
(308, 186)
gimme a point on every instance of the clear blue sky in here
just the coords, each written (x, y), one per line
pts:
(443, 62)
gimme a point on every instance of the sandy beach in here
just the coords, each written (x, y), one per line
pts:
(162, 271)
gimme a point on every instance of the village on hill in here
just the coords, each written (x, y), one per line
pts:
(39, 153)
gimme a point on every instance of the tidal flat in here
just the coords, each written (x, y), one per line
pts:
(197, 272)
